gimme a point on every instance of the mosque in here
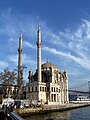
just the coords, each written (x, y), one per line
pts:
(48, 84)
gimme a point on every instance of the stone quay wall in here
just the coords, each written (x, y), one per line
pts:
(48, 108)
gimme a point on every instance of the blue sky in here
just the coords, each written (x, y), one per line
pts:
(65, 27)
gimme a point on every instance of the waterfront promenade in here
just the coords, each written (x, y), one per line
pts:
(74, 114)
(49, 108)
(26, 112)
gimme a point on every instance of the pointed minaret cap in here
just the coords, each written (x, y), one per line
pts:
(30, 70)
(20, 34)
(65, 71)
(39, 26)
(47, 60)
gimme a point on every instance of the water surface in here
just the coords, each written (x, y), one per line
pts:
(76, 114)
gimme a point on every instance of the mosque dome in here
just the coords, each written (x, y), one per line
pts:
(48, 65)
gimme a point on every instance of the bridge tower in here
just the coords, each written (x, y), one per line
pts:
(89, 85)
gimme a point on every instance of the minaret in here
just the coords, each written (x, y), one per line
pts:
(67, 95)
(20, 66)
(39, 53)
(30, 75)
(20, 51)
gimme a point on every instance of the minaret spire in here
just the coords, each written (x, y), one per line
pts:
(39, 53)
(20, 51)
(19, 84)
(38, 26)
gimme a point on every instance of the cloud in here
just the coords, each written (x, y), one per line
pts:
(28, 44)
(71, 44)
(84, 62)
(25, 59)
(28, 60)
(3, 65)
(13, 59)
(12, 24)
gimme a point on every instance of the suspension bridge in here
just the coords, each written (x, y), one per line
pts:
(77, 91)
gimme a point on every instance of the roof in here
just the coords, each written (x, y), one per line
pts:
(48, 65)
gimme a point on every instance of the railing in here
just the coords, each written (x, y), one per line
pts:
(14, 116)
(2, 115)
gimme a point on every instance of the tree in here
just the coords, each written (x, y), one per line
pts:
(8, 78)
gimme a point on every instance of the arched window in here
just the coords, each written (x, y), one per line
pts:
(36, 89)
(29, 89)
(54, 89)
(32, 89)
(40, 88)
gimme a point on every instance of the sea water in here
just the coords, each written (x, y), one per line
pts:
(75, 114)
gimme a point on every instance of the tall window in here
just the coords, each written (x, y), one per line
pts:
(40, 88)
(36, 89)
(32, 89)
(28, 89)
(52, 89)
(47, 89)
(56, 89)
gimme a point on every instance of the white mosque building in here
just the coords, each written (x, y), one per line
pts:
(48, 84)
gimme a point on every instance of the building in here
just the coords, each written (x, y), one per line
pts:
(8, 90)
(48, 84)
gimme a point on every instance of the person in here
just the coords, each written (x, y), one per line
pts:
(10, 108)
(3, 106)
(5, 110)
(15, 106)
(2, 116)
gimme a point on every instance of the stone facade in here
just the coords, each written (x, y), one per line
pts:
(8, 90)
(53, 88)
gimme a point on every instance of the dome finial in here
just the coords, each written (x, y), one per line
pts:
(47, 60)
